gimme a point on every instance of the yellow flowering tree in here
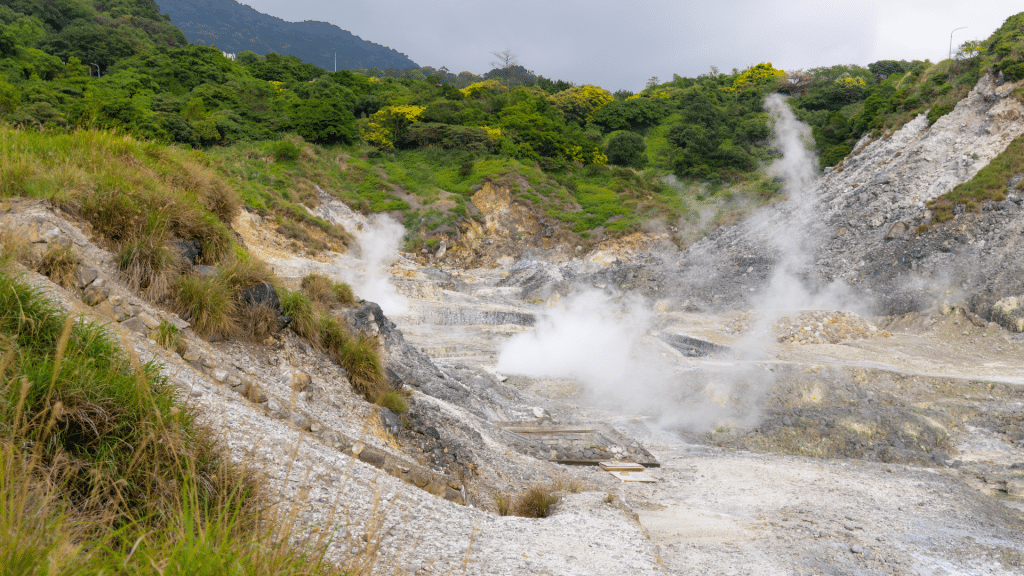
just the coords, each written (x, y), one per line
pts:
(386, 125)
(848, 82)
(579, 103)
(758, 74)
(482, 88)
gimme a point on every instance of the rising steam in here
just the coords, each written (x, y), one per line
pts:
(607, 348)
(379, 240)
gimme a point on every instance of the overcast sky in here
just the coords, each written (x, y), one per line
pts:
(620, 44)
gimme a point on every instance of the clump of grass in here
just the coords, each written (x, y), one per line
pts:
(343, 292)
(138, 196)
(503, 503)
(59, 263)
(103, 411)
(257, 322)
(245, 271)
(207, 303)
(535, 502)
(325, 291)
(168, 336)
(394, 401)
(149, 264)
(305, 317)
(358, 356)
(566, 483)
(14, 248)
(320, 289)
(356, 353)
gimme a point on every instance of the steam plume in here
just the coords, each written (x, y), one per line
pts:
(378, 243)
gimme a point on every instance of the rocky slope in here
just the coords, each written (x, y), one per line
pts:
(891, 447)
(856, 226)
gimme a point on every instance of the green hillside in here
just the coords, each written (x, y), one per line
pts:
(417, 142)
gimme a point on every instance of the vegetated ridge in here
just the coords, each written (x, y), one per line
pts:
(235, 28)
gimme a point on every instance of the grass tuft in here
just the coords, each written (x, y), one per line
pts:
(343, 292)
(535, 502)
(394, 401)
(168, 336)
(207, 303)
(59, 264)
(320, 289)
(150, 265)
(14, 248)
(358, 356)
(305, 317)
(257, 322)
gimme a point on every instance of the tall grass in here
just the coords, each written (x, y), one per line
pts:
(356, 353)
(137, 196)
(207, 303)
(103, 472)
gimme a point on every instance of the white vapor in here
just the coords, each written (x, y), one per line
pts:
(378, 245)
(607, 348)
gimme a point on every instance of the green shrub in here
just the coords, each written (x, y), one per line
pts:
(836, 154)
(284, 151)
(207, 303)
(937, 112)
(627, 149)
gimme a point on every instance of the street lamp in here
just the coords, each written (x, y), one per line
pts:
(951, 40)
(97, 69)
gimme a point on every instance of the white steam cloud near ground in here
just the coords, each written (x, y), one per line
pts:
(379, 241)
(607, 348)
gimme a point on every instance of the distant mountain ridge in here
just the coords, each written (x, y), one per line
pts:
(235, 28)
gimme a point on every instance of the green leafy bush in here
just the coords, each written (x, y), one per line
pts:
(937, 112)
(626, 149)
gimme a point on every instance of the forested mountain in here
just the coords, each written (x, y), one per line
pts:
(235, 28)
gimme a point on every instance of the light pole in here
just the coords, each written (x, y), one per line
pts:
(951, 40)
(97, 69)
